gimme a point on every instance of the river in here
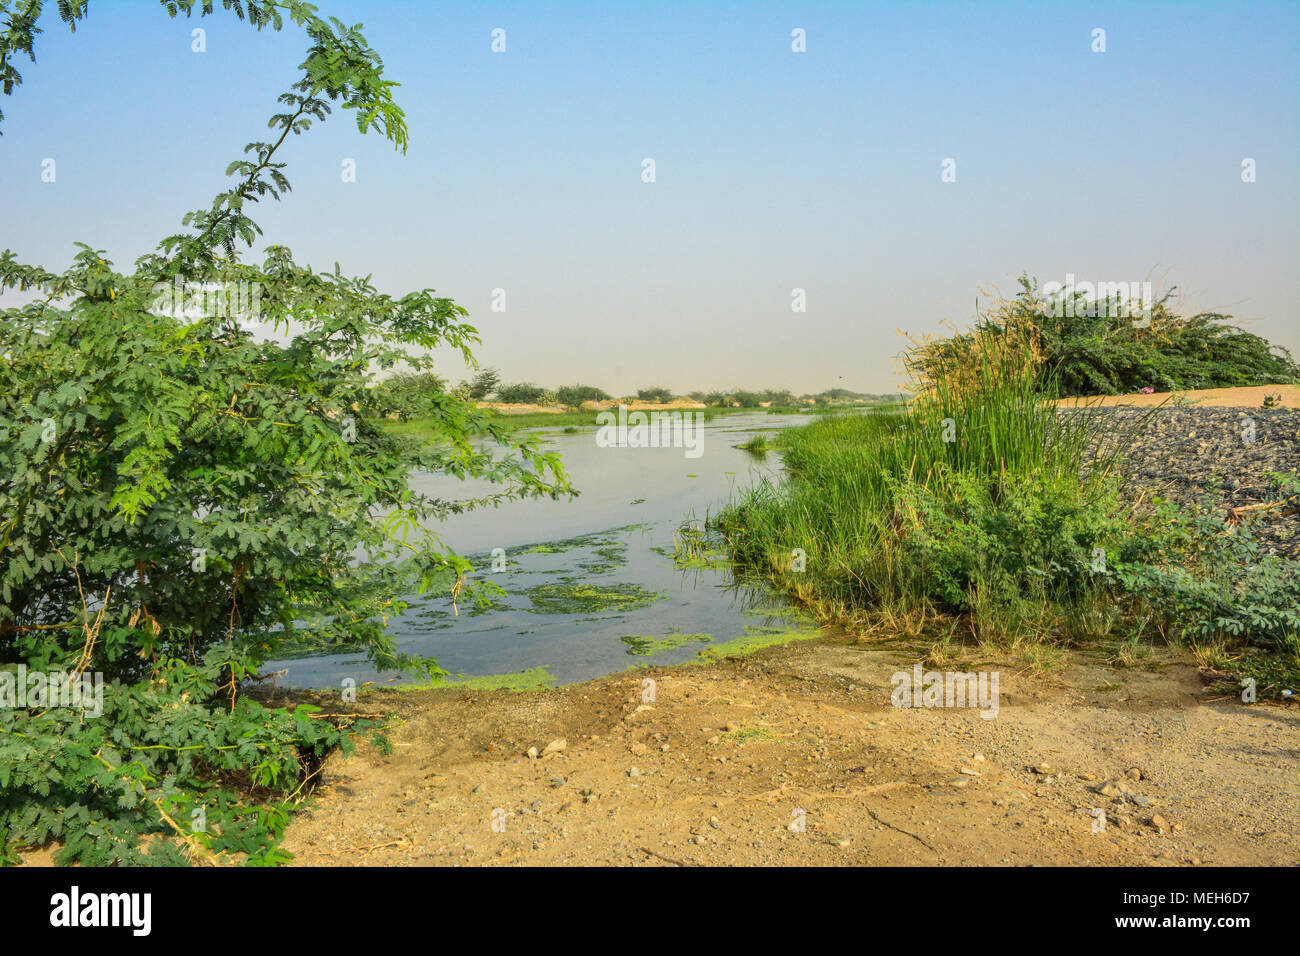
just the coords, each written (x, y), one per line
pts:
(592, 583)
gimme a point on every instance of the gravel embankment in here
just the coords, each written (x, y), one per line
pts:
(1204, 455)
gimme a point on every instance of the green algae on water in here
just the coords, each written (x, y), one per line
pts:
(696, 558)
(756, 638)
(535, 678)
(643, 645)
(606, 559)
(571, 597)
(596, 539)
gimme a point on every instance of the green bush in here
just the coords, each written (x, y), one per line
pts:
(710, 398)
(981, 502)
(575, 395)
(1038, 537)
(1109, 353)
(181, 502)
(483, 384)
(397, 395)
(656, 393)
(969, 501)
(523, 393)
(1204, 581)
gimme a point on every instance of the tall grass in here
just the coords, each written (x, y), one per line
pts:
(978, 500)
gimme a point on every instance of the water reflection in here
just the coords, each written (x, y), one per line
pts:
(592, 586)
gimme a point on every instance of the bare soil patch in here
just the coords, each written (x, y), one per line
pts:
(730, 755)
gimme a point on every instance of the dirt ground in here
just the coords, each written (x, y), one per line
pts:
(1251, 396)
(730, 758)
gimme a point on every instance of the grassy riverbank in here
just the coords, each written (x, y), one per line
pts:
(968, 501)
(982, 512)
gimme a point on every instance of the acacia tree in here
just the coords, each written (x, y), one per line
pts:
(484, 384)
(180, 500)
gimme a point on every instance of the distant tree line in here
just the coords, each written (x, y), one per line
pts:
(486, 385)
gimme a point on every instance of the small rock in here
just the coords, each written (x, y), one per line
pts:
(634, 772)
(555, 746)
(532, 753)
(1160, 823)
(1043, 769)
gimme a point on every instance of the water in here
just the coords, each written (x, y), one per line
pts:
(592, 579)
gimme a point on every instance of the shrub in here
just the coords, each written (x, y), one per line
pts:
(181, 502)
(1206, 582)
(1110, 353)
(710, 398)
(980, 501)
(656, 393)
(969, 501)
(576, 395)
(483, 384)
(397, 395)
(523, 393)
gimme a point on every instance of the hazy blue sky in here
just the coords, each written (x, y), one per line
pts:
(775, 169)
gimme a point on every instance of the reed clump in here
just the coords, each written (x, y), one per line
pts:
(977, 502)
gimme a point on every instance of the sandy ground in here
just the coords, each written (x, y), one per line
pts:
(796, 756)
(1246, 397)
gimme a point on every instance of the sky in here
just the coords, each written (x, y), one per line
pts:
(774, 170)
